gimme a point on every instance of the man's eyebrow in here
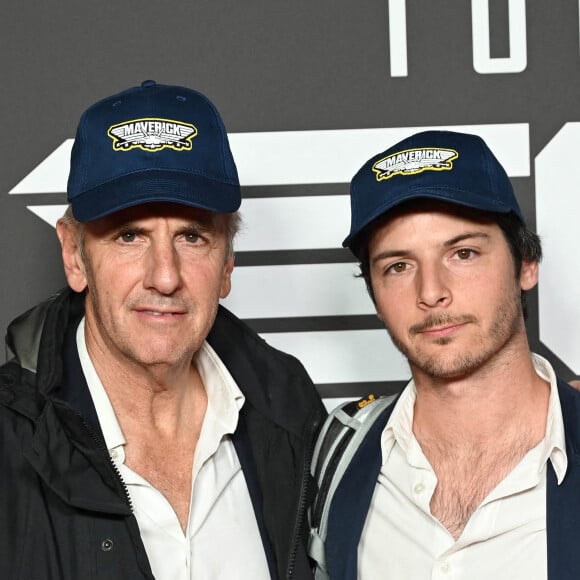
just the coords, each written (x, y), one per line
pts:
(128, 225)
(389, 254)
(198, 226)
(188, 225)
(465, 236)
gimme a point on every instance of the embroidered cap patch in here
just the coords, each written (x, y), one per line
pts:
(152, 134)
(412, 161)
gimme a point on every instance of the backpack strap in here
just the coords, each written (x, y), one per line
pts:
(340, 436)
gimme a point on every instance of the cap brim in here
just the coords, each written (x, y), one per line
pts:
(156, 185)
(455, 196)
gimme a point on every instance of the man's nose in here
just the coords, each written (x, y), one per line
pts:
(163, 267)
(433, 286)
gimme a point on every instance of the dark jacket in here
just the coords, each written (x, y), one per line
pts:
(64, 511)
(353, 496)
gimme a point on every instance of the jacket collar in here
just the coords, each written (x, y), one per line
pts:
(273, 385)
(35, 339)
(563, 501)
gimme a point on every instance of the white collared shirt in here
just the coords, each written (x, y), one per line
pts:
(222, 540)
(504, 539)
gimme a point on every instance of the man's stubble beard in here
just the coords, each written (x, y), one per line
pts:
(505, 326)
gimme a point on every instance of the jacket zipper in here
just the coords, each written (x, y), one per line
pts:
(310, 442)
(103, 447)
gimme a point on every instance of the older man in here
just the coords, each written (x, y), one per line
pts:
(474, 471)
(146, 431)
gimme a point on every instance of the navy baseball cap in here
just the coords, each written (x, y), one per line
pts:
(444, 165)
(151, 143)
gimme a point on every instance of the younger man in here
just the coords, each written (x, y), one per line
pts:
(474, 471)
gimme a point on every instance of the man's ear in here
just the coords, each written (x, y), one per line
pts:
(74, 268)
(528, 275)
(227, 277)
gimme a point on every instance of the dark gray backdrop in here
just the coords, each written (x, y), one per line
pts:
(276, 66)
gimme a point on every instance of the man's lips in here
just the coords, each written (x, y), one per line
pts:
(441, 326)
(441, 331)
(159, 312)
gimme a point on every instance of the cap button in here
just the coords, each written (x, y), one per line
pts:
(147, 84)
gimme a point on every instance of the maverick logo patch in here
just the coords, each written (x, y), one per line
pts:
(152, 135)
(413, 161)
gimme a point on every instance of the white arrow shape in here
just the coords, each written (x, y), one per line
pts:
(304, 157)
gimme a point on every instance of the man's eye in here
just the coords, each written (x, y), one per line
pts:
(128, 237)
(397, 267)
(464, 253)
(192, 237)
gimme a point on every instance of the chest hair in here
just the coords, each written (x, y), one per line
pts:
(467, 473)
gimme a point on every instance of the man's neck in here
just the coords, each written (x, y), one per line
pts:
(161, 400)
(483, 405)
(167, 405)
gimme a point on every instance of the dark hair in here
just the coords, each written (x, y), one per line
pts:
(524, 244)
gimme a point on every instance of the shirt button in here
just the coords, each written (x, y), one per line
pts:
(114, 455)
(444, 566)
(107, 545)
(419, 488)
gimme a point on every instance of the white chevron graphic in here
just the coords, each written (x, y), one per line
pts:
(300, 223)
(307, 157)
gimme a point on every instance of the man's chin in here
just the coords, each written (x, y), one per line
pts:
(450, 367)
(162, 355)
